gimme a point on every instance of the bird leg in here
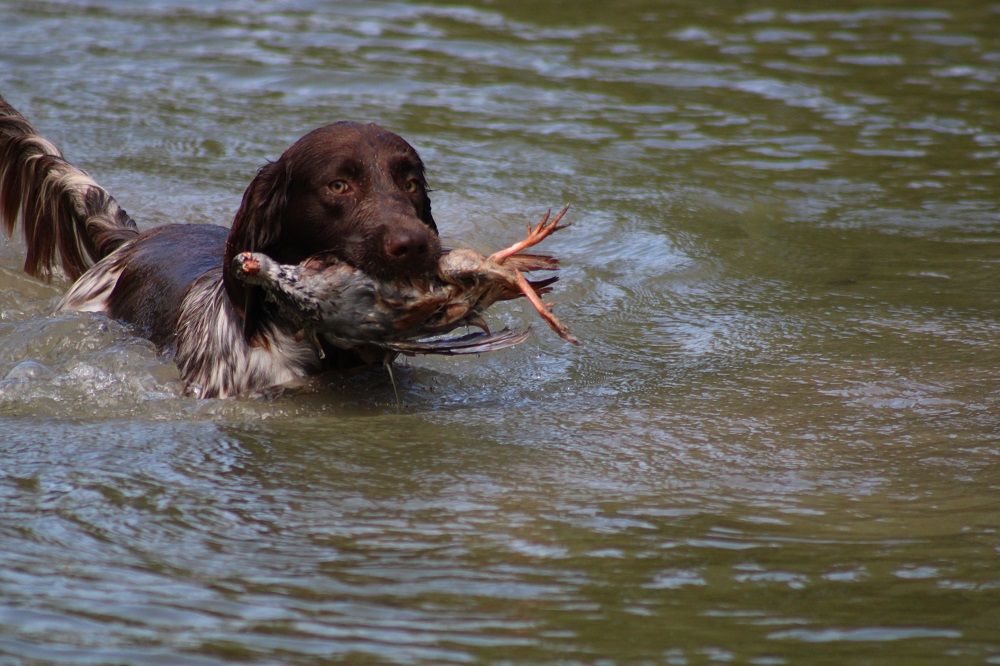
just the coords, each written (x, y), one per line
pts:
(543, 309)
(536, 235)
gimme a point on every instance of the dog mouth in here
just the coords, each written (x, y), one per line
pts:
(391, 254)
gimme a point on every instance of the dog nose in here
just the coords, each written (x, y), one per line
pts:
(409, 250)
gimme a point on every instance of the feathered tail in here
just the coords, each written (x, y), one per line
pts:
(67, 218)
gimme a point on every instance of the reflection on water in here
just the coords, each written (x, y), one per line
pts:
(777, 444)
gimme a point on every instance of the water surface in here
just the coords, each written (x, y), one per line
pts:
(777, 445)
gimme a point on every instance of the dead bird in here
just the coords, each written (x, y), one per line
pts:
(330, 298)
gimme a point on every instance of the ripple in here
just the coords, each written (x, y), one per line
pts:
(783, 270)
(866, 634)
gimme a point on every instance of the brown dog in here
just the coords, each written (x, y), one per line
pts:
(357, 191)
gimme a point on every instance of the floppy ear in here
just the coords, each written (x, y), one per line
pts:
(258, 221)
(256, 227)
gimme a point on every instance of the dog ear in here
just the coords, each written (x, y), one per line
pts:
(258, 221)
(256, 227)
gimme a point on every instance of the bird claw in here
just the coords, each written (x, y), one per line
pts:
(536, 234)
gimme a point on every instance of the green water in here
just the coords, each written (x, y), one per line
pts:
(778, 444)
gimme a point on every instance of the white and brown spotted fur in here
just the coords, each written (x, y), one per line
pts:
(355, 190)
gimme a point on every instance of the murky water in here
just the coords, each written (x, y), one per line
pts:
(779, 444)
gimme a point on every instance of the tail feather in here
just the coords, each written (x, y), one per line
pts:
(67, 219)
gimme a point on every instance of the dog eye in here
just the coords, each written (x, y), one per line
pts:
(338, 186)
(411, 186)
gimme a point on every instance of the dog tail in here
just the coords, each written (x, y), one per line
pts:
(67, 218)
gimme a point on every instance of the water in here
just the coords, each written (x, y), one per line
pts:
(777, 445)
